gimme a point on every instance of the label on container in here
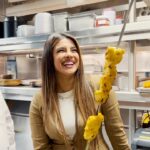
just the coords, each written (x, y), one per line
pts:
(101, 22)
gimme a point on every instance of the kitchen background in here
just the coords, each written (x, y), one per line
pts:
(75, 17)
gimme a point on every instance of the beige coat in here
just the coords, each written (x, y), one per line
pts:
(49, 138)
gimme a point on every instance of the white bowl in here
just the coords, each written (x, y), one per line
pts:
(25, 30)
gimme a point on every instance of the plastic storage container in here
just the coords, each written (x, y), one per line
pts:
(60, 21)
(25, 30)
(141, 139)
(43, 23)
(81, 22)
(110, 13)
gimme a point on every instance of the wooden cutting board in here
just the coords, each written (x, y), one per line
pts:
(10, 82)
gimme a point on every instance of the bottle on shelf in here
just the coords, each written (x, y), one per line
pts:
(10, 26)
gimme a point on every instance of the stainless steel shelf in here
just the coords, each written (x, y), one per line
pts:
(133, 96)
(101, 35)
(124, 97)
(19, 93)
(22, 43)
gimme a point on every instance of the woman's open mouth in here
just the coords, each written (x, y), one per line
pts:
(68, 64)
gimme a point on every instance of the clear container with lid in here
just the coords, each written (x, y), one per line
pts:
(101, 21)
(111, 14)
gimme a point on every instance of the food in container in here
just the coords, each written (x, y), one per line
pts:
(6, 76)
(10, 82)
(101, 21)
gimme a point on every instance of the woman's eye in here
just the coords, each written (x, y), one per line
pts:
(74, 50)
(60, 50)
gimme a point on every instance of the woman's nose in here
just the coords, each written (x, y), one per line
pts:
(69, 53)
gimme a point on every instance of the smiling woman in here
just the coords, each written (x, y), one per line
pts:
(66, 58)
(58, 113)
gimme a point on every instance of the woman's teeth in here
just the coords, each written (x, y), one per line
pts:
(68, 64)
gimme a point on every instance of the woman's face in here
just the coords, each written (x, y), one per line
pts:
(66, 57)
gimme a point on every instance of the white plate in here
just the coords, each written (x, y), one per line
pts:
(28, 82)
(143, 90)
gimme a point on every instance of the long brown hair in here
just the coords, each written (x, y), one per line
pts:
(82, 90)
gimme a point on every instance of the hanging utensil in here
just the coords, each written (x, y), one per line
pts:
(125, 22)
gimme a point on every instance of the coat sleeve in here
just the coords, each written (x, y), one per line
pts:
(40, 139)
(113, 123)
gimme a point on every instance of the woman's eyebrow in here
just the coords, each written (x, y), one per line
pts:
(60, 48)
(73, 47)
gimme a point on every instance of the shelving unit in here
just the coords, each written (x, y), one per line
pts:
(98, 36)
(91, 38)
(37, 6)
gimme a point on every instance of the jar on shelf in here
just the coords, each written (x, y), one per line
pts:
(10, 26)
